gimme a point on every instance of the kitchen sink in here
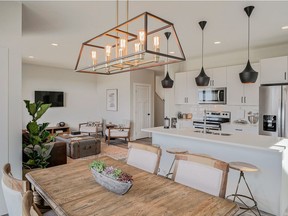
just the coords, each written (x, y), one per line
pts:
(213, 133)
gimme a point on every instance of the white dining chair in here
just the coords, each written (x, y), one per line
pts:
(202, 173)
(18, 197)
(143, 156)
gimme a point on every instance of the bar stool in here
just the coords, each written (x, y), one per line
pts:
(244, 167)
(174, 151)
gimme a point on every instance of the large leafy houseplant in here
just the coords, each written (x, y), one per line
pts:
(34, 139)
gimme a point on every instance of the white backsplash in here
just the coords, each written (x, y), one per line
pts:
(237, 112)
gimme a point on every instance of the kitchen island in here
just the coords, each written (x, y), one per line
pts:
(269, 185)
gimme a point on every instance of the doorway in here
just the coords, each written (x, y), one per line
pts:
(142, 109)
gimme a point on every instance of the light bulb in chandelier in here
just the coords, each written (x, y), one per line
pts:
(156, 45)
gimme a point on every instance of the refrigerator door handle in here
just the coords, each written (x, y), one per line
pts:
(284, 110)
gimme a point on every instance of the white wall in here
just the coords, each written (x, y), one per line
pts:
(121, 82)
(80, 94)
(10, 88)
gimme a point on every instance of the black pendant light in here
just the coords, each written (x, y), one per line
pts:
(248, 75)
(202, 79)
(167, 82)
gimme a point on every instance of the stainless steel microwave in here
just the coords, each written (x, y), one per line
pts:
(212, 96)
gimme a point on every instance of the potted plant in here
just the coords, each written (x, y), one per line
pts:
(35, 151)
(111, 178)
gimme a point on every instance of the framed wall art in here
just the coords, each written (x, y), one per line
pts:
(111, 99)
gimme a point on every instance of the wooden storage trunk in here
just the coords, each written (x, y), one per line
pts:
(81, 146)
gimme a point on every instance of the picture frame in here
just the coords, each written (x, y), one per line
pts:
(111, 99)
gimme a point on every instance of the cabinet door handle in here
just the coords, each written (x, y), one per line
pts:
(285, 75)
(241, 99)
(187, 99)
(238, 129)
(213, 82)
(244, 99)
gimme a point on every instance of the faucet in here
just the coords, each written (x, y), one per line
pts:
(204, 129)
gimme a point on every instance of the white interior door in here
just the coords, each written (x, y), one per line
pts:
(142, 109)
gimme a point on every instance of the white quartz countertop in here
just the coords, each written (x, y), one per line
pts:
(268, 143)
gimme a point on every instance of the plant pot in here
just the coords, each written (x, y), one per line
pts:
(111, 184)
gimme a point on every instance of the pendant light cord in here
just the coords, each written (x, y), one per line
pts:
(117, 12)
(127, 10)
(167, 54)
(248, 37)
(202, 45)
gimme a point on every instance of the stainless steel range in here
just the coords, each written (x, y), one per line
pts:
(213, 120)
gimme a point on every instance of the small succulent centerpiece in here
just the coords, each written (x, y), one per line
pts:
(35, 150)
(111, 178)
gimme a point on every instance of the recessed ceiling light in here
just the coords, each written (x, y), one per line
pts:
(217, 42)
(54, 44)
(284, 27)
(171, 52)
(31, 57)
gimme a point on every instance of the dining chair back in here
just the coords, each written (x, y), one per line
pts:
(18, 197)
(201, 172)
(145, 157)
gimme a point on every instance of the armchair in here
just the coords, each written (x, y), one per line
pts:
(121, 131)
(91, 127)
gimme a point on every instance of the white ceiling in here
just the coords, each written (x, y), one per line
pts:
(69, 23)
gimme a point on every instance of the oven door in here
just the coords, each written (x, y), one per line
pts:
(212, 96)
(209, 125)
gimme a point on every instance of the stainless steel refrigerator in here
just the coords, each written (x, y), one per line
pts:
(273, 110)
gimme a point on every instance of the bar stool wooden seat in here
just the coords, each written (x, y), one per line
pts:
(244, 167)
(174, 151)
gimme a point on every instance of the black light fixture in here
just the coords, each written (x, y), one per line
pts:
(202, 79)
(167, 82)
(248, 75)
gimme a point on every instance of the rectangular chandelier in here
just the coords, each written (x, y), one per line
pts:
(138, 43)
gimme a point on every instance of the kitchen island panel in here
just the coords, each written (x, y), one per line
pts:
(268, 185)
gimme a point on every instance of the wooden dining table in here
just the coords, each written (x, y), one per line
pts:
(71, 189)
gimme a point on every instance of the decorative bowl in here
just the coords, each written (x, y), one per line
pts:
(111, 184)
(253, 119)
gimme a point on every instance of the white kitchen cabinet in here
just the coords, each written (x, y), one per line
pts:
(186, 91)
(239, 93)
(274, 70)
(217, 76)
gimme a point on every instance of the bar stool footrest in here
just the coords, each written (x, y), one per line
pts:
(245, 207)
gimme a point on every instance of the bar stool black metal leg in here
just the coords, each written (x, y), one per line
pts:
(251, 194)
(169, 172)
(238, 196)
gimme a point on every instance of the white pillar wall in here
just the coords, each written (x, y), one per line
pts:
(10, 90)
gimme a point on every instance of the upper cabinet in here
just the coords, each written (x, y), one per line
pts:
(239, 93)
(217, 76)
(186, 88)
(274, 70)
